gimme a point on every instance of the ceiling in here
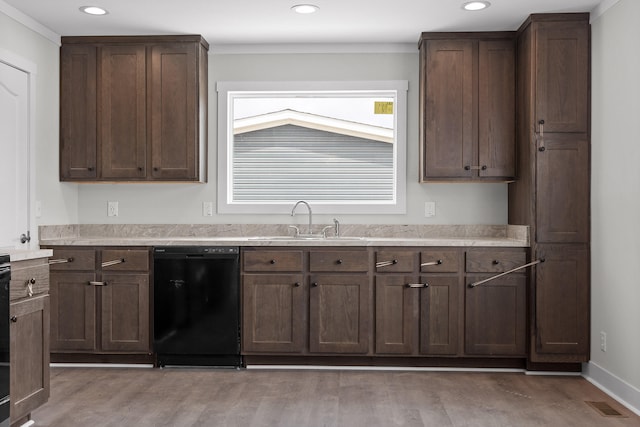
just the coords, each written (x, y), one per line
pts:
(256, 22)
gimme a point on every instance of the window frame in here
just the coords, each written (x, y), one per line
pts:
(226, 93)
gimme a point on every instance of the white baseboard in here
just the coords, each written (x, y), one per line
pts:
(617, 388)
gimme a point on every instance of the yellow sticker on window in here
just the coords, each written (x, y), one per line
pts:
(382, 107)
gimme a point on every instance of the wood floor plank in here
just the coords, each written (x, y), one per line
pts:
(172, 397)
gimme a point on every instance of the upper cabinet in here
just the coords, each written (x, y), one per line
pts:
(467, 106)
(133, 108)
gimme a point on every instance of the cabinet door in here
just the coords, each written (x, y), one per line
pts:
(495, 319)
(122, 107)
(173, 102)
(273, 307)
(78, 101)
(439, 309)
(562, 301)
(73, 311)
(395, 314)
(450, 110)
(29, 355)
(339, 313)
(125, 312)
(562, 189)
(496, 112)
(562, 76)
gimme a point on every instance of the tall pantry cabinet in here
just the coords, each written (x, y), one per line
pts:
(552, 191)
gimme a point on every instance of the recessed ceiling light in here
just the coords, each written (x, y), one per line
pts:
(93, 10)
(476, 5)
(305, 8)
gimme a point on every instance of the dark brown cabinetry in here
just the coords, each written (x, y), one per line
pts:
(297, 301)
(274, 306)
(417, 313)
(552, 192)
(133, 108)
(467, 104)
(100, 301)
(29, 336)
(496, 310)
(339, 302)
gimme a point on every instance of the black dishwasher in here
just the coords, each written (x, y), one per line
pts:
(196, 306)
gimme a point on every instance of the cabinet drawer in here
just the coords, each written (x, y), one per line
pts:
(494, 261)
(395, 261)
(73, 259)
(268, 261)
(339, 261)
(28, 277)
(440, 261)
(125, 260)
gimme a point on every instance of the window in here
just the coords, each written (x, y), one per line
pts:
(338, 145)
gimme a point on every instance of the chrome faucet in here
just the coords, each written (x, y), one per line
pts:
(293, 212)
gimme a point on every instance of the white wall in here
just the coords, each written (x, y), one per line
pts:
(182, 203)
(59, 202)
(615, 295)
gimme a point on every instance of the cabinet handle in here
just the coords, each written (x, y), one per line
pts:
(339, 261)
(541, 135)
(480, 282)
(314, 284)
(114, 262)
(156, 169)
(140, 168)
(427, 264)
(386, 263)
(297, 284)
(60, 261)
(273, 261)
(14, 319)
(417, 285)
(92, 283)
(90, 168)
(483, 167)
(495, 262)
(32, 281)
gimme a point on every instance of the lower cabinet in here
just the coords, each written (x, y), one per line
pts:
(292, 303)
(100, 301)
(28, 337)
(560, 304)
(273, 307)
(495, 308)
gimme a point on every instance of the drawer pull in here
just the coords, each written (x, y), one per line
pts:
(92, 283)
(32, 281)
(297, 284)
(114, 262)
(273, 261)
(417, 285)
(480, 282)
(386, 263)
(339, 261)
(427, 264)
(14, 319)
(495, 262)
(314, 284)
(60, 260)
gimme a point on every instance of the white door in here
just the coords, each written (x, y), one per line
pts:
(14, 156)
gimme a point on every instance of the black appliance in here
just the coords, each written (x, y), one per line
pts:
(196, 306)
(5, 275)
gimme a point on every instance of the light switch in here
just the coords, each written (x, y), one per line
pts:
(112, 208)
(429, 209)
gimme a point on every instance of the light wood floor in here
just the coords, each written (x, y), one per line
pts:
(259, 398)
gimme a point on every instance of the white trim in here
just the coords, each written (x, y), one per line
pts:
(31, 69)
(625, 393)
(381, 368)
(601, 8)
(29, 22)
(314, 48)
(225, 129)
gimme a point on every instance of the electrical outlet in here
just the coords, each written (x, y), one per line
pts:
(207, 208)
(429, 209)
(112, 208)
(603, 341)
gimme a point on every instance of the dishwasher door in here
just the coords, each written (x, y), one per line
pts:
(196, 306)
